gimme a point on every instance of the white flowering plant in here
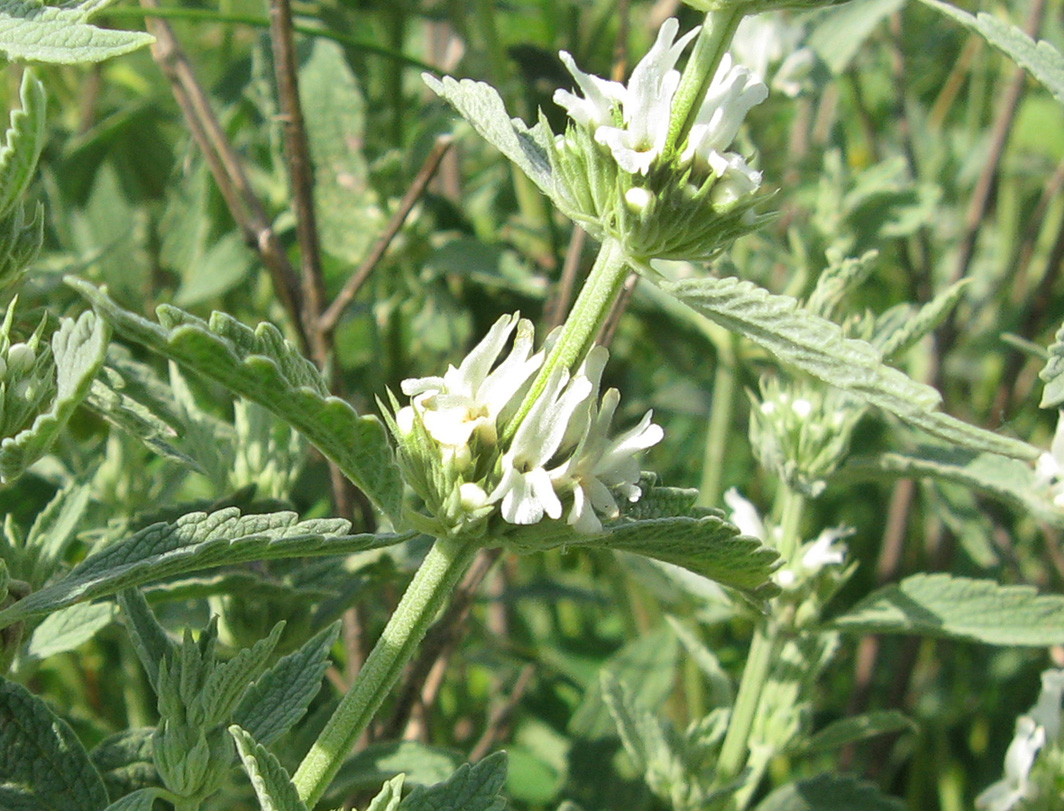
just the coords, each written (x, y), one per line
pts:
(271, 566)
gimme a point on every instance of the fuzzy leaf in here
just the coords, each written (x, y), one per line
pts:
(1053, 374)
(482, 106)
(228, 681)
(69, 628)
(850, 730)
(43, 766)
(279, 698)
(271, 782)
(827, 792)
(471, 788)
(54, 529)
(709, 546)
(194, 542)
(148, 637)
(819, 348)
(124, 761)
(31, 31)
(261, 366)
(1007, 479)
(722, 693)
(78, 348)
(420, 763)
(941, 605)
(23, 142)
(1044, 62)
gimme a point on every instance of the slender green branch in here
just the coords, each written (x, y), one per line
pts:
(719, 430)
(589, 312)
(710, 46)
(440, 572)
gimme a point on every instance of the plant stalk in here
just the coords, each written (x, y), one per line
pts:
(720, 426)
(589, 313)
(710, 46)
(433, 583)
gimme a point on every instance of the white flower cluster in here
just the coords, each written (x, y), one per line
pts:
(1035, 731)
(633, 122)
(560, 452)
(1049, 468)
(812, 557)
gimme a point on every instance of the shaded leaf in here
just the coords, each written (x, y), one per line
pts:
(69, 628)
(261, 366)
(421, 764)
(23, 142)
(941, 605)
(850, 730)
(194, 542)
(389, 797)
(124, 761)
(841, 32)
(470, 788)
(140, 800)
(829, 793)
(148, 637)
(818, 347)
(78, 348)
(43, 766)
(280, 696)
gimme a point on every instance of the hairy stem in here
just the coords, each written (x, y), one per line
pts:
(440, 572)
(588, 315)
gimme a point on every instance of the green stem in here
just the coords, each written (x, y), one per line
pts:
(710, 46)
(437, 577)
(589, 313)
(763, 650)
(758, 664)
(720, 423)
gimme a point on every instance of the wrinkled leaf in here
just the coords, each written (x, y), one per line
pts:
(31, 31)
(470, 788)
(261, 366)
(43, 766)
(271, 782)
(280, 696)
(819, 348)
(194, 542)
(941, 605)
(124, 761)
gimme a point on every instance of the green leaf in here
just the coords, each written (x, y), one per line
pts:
(140, 800)
(23, 143)
(148, 637)
(851, 730)
(124, 761)
(68, 629)
(78, 348)
(819, 348)
(840, 33)
(709, 546)
(828, 792)
(261, 366)
(389, 797)
(43, 766)
(647, 665)
(279, 698)
(941, 605)
(335, 114)
(471, 788)
(194, 542)
(1053, 373)
(228, 681)
(482, 106)
(1007, 479)
(722, 693)
(31, 31)
(54, 529)
(1040, 59)
(421, 764)
(271, 782)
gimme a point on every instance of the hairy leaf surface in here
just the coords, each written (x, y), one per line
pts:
(471, 788)
(43, 766)
(818, 347)
(194, 542)
(941, 605)
(31, 31)
(271, 782)
(261, 366)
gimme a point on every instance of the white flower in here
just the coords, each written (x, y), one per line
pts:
(768, 39)
(473, 396)
(745, 515)
(601, 97)
(733, 91)
(600, 466)
(1019, 758)
(823, 552)
(525, 489)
